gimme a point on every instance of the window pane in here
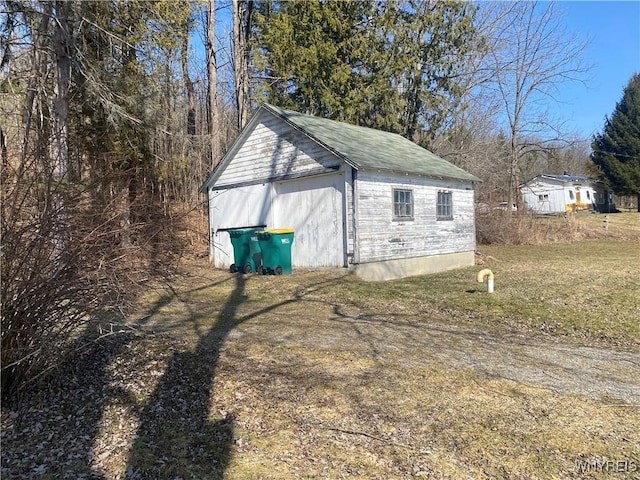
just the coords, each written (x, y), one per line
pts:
(444, 206)
(402, 203)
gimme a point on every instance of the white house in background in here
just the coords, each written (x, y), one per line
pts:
(565, 193)
(358, 198)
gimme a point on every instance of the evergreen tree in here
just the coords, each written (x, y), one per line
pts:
(616, 151)
(386, 65)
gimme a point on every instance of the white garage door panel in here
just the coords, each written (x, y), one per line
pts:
(241, 207)
(312, 206)
(235, 208)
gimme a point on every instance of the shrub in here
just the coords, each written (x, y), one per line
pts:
(67, 258)
(499, 227)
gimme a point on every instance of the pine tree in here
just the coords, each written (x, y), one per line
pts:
(385, 65)
(616, 151)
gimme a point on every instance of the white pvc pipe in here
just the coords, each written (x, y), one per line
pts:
(489, 275)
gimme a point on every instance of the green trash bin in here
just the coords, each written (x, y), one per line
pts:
(275, 245)
(247, 256)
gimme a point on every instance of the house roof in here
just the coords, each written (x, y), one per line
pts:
(360, 147)
(565, 178)
(369, 148)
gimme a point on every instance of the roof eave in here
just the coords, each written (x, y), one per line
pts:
(425, 175)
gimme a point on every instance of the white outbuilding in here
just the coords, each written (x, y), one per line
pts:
(358, 198)
(556, 194)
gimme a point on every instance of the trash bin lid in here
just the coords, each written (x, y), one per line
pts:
(279, 230)
(240, 232)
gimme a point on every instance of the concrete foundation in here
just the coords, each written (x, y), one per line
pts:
(408, 267)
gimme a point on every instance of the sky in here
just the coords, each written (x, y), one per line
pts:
(613, 32)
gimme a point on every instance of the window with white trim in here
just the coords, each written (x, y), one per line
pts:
(402, 204)
(444, 206)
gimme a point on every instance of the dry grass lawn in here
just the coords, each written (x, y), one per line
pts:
(321, 375)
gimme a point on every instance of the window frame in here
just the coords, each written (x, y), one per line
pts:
(400, 206)
(448, 205)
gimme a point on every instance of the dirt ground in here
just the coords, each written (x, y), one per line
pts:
(597, 373)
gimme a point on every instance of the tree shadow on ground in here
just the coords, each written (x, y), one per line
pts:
(177, 437)
(53, 428)
(180, 434)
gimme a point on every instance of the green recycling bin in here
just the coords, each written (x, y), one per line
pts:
(275, 245)
(246, 250)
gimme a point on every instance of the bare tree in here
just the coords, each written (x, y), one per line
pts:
(60, 144)
(212, 74)
(191, 96)
(241, 12)
(34, 83)
(529, 54)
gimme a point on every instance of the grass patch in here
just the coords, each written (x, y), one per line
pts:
(398, 422)
(584, 292)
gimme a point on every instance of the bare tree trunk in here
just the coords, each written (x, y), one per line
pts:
(129, 192)
(61, 91)
(212, 89)
(191, 97)
(60, 146)
(241, 35)
(3, 155)
(514, 175)
(34, 78)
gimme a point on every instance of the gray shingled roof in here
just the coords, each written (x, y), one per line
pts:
(566, 177)
(372, 149)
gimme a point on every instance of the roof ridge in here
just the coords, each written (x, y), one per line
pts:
(276, 110)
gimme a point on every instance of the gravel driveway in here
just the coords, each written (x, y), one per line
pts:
(595, 372)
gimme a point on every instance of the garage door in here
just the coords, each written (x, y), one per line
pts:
(313, 207)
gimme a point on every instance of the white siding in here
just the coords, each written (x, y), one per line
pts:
(555, 202)
(348, 211)
(584, 196)
(273, 149)
(382, 238)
